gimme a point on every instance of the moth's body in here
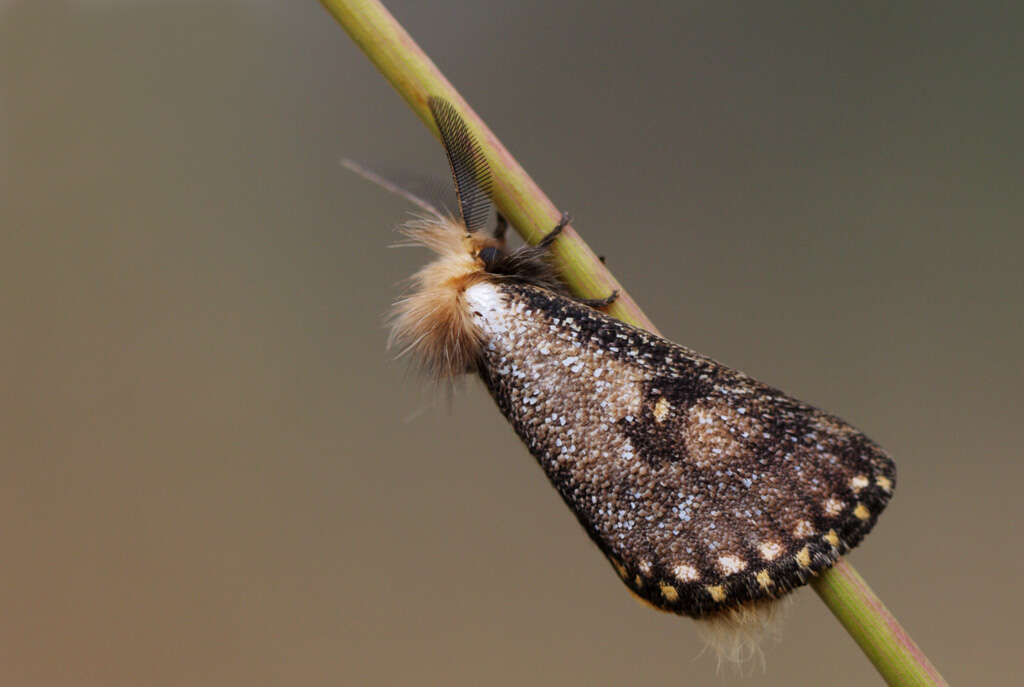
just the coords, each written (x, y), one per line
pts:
(703, 486)
(710, 493)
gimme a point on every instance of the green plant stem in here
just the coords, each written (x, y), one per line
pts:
(532, 213)
(888, 646)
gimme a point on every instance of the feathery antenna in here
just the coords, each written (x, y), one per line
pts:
(470, 172)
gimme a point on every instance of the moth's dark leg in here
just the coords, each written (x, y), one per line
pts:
(501, 227)
(553, 234)
(550, 237)
(600, 302)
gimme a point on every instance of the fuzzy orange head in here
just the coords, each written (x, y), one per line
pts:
(432, 321)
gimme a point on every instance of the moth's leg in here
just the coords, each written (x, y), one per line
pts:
(501, 227)
(600, 302)
(550, 237)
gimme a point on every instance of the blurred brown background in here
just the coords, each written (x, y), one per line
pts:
(214, 473)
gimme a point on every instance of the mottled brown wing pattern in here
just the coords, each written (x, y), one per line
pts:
(703, 487)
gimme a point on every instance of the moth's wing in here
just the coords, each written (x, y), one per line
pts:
(767, 489)
(703, 487)
(470, 171)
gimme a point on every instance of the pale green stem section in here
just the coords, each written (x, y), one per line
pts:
(415, 77)
(874, 628)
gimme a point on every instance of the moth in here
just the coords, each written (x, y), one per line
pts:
(710, 493)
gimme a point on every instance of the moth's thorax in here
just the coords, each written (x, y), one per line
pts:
(703, 486)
